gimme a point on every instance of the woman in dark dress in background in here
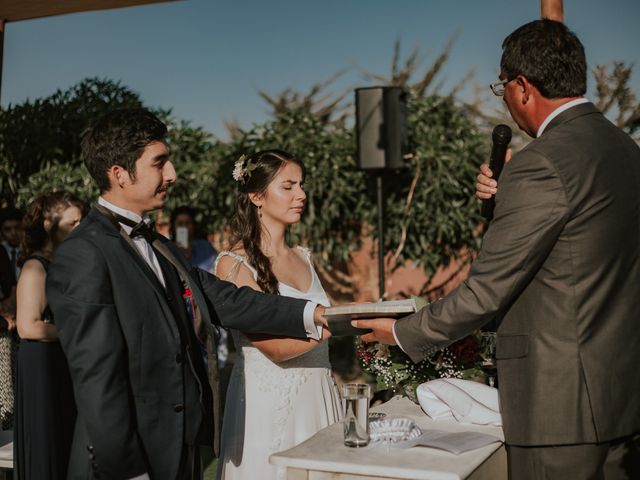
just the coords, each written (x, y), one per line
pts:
(45, 409)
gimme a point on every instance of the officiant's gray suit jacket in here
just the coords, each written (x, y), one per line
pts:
(560, 270)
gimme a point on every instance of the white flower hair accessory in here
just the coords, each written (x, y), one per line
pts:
(241, 171)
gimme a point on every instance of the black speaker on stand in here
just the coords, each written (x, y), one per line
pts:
(382, 141)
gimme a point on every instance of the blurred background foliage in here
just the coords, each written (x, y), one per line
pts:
(431, 212)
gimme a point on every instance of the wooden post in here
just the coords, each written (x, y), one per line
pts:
(552, 9)
(2, 24)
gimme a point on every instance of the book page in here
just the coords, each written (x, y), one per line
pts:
(454, 442)
(390, 306)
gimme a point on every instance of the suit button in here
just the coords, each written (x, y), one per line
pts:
(178, 408)
(92, 456)
(179, 358)
(90, 448)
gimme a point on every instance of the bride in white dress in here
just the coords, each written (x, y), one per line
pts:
(281, 390)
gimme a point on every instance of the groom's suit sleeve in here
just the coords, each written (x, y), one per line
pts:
(251, 311)
(79, 293)
(531, 212)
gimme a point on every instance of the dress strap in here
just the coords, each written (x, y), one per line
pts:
(240, 260)
(306, 252)
(43, 260)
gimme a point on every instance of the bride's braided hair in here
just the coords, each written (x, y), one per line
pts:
(246, 226)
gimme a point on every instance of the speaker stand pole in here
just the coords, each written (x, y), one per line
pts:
(381, 284)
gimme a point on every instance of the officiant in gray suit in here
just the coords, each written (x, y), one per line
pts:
(127, 306)
(559, 270)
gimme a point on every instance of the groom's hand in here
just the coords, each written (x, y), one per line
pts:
(318, 317)
(382, 330)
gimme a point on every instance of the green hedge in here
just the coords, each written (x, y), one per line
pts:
(445, 144)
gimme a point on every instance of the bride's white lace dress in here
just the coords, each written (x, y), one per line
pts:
(270, 406)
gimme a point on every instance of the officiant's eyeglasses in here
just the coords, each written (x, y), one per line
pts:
(499, 87)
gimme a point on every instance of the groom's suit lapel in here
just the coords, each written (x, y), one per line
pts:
(196, 287)
(141, 265)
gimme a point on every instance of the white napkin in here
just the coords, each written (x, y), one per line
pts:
(464, 400)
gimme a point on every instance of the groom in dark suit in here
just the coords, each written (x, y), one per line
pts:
(125, 303)
(559, 269)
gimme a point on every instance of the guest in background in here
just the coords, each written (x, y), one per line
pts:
(45, 408)
(184, 233)
(7, 342)
(11, 236)
(281, 390)
(7, 291)
(162, 223)
(11, 232)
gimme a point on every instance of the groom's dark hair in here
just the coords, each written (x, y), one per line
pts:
(118, 138)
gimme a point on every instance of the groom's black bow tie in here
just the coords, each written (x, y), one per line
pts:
(143, 229)
(140, 229)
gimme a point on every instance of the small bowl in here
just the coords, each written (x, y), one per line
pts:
(393, 430)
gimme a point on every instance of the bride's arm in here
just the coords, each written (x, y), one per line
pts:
(279, 349)
(276, 349)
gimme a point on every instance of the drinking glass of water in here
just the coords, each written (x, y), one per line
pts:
(355, 400)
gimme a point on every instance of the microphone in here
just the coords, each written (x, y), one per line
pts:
(501, 137)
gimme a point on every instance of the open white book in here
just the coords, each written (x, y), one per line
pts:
(454, 442)
(340, 317)
(405, 432)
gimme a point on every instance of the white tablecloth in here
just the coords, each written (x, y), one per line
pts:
(6, 451)
(326, 452)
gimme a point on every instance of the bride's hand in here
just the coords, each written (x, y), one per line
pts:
(318, 316)
(326, 334)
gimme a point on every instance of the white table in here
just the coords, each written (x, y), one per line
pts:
(6, 454)
(324, 456)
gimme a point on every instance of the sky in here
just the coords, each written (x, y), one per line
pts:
(207, 59)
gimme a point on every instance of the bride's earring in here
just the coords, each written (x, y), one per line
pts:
(260, 211)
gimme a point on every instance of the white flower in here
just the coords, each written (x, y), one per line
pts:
(238, 169)
(382, 351)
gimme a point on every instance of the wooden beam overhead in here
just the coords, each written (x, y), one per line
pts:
(14, 10)
(552, 9)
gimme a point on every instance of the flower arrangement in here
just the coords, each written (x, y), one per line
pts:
(394, 370)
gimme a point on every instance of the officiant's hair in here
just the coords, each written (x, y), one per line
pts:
(118, 138)
(46, 206)
(549, 55)
(246, 228)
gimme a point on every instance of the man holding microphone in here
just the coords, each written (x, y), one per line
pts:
(559, 271)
